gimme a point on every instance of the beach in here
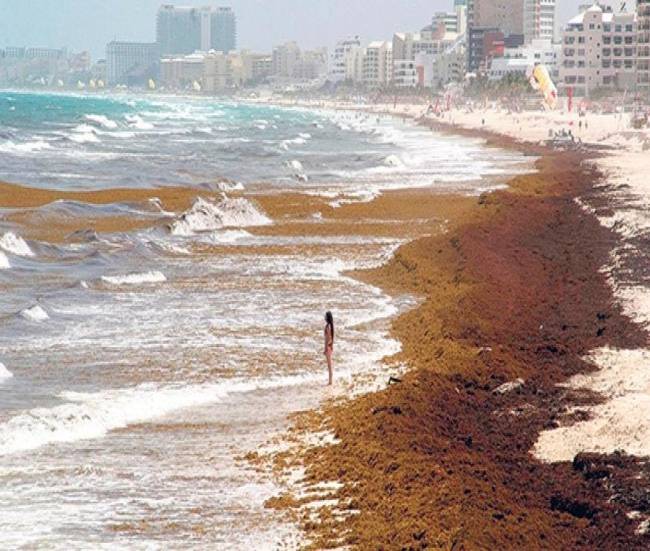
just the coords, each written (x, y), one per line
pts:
(489, 295)
(520, 423)
(166, 264)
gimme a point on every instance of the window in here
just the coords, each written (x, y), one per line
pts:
(629, 28)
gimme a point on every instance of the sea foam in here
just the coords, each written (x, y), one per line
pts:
(135, 279)
(15, 244)
(93, 415)
(4, 261)
(4, 372)
(206, 216)
(102, 121)
(27, 147)
(35, 313)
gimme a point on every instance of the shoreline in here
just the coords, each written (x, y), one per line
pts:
(457, 487)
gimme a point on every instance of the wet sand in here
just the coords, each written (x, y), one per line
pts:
(513, 301)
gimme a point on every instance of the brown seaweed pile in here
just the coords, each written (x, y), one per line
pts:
(514, 299)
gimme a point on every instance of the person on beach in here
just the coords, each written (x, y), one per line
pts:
(329, 344)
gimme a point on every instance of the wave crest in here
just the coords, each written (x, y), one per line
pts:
(135, 279)
(205, 216)
(35, 313)
(15, 244)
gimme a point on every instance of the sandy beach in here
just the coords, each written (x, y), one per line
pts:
(513, 425)
(511, 322)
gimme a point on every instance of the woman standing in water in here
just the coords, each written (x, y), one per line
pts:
(329, 343)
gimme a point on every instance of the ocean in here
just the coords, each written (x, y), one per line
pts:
(136, 366)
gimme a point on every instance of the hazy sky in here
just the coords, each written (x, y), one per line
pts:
(90, 24)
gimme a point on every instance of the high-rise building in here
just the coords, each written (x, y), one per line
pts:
(131, 62)
(178, 30)
(599, 51)
(285, 59)
(505, 15)
(377, 64)
(539, 20)
(183, 30)
(342, 57)
(223, 30)
(643, 47)
(454, 22)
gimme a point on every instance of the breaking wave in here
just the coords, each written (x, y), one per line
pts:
(135, 121)
(102, 121)
(35, 313)
(206, 216)
(15, 244)
(4, 372)
(4, 261)
(135, 279)
(27, 147)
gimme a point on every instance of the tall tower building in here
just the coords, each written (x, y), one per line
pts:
(183, 30)
(539, 20)
(178, 30)
(643, 47)
(223, 30)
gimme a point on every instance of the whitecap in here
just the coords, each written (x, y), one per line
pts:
(136, 121)
(84, 133)
(4, 261)
(4, 372)
(102, 121)
(27, 147)
(35, 313)
(206, 216)
(394, 161)
(136, 278)
(15, 244)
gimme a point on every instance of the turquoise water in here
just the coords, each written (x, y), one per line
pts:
(91, 142)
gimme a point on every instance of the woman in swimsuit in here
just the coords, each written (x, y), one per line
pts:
(329, 343)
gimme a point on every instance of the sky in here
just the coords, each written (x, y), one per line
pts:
(91, 24)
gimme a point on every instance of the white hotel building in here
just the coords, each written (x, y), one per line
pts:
(599, 51)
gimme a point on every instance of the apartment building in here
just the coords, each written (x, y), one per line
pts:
(643, 47)
(455, 21)
(520, 60)
(539, 20)
(181, 72)
(222, 72)
(377, 64)
(285, 59)
(599, 51)
(343, 56)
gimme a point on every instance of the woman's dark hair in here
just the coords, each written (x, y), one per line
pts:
(329, 319)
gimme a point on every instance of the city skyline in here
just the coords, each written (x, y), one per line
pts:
(91, 24)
